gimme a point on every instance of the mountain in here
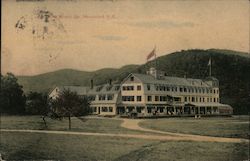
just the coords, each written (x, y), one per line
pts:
(47, 81)
(232, 68)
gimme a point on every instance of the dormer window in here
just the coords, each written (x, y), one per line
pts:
(132, 78)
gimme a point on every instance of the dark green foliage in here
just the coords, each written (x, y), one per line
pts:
(12, 98)
(232, 68)
(69, 104)
(37, 104)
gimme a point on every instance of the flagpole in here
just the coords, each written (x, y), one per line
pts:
(155, 58)
(210, 67)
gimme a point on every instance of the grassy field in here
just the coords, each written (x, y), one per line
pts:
(36, 146)
(237, 126)
(25, 146)
(89, 125)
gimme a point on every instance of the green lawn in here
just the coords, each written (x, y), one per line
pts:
(25, 146)
(89, 125)
(237, 126)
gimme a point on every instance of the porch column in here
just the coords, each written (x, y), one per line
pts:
(126, 109)
(165, 110)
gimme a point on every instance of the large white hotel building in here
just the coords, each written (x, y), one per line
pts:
(153, 94)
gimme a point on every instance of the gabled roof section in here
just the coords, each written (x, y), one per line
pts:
(105, 89)
(132, 74)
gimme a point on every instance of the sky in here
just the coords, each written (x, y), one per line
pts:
(48, 35)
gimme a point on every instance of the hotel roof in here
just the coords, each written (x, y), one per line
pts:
(148, 79)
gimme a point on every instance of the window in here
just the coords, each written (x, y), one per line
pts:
(128, 88)
(149, 109)
(156, 98)
(110, 96)
(128, 98)
(156, 87)
(214, 99)
(163, 98)
(193, 99)
(131, 78)
(102, 97)
(148, 87)
(138, 88)
(185, 99)
(161, 88)
(181, 89)
(104, 109)
(149, 98)
(214, 90)
(185, 89)
(177, 99)
(138, 98)
(110, 109)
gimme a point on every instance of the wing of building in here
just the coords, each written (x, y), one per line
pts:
(154, 94)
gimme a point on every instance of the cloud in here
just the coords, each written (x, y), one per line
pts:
(110, 37)
(162, 24)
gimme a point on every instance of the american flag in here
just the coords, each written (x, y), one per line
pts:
(151, 54)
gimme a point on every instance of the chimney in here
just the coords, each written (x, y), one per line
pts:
(91, 84)
(110, 82)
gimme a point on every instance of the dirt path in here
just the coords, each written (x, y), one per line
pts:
(134, 125)
(138, 136)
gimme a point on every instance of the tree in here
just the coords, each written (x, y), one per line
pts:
(12, 98)
(69, 104)
(38, 104)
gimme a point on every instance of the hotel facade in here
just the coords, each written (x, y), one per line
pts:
(153, 95)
